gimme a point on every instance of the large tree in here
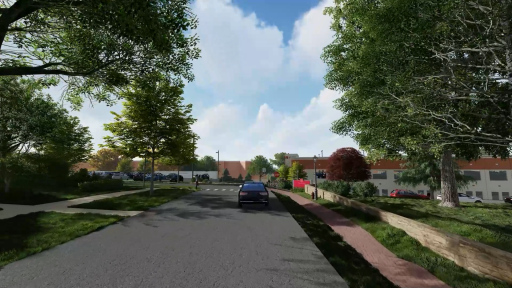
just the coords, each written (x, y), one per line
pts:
(278, 159)
(297, 172)
(125, 165)
(397, 92)
(258, 164)
(32, 124)
(105, 159)
(154, 122)
(207, 163)
(349, 165)
(182, 155)
(427, 171)
(98, 45)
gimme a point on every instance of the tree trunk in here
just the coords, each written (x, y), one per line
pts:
(178, 180)
(7, 185)
(432, 193)
(448, 183)
(151, 187)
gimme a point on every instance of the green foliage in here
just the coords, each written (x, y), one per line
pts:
(283, 172)
(103, 45)
(285, 184)
(240, 177)
(427, 171)
(80, 176)
(146, 168)
(125, 165)
(248, 177)
(101, 185)
(226, 172)
(364, 189)
(257, 164)
(148, 128)
(105, 159)
(298, 190)
(206, 163)
(297, 172)
(341, 188)
(278, 160)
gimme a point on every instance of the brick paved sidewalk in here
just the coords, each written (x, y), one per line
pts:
(403, 273)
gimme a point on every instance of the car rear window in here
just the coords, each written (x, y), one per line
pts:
(253, 187)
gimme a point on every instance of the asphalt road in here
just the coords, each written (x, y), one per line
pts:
(200, 240)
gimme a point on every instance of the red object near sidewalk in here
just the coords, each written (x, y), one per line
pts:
(276, 174)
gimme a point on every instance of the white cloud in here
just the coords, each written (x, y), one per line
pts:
(306, 132)
(311, 34)
(238, 52)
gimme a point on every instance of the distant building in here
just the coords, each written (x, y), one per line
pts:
(493, 176)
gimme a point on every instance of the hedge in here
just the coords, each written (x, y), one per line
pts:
(101, 185)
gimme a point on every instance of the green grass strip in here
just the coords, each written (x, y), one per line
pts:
(28, 234)
(408, 248)
(344, 258)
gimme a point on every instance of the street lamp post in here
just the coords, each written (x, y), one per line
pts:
(322, 153)
(218, 164)
(316, 189)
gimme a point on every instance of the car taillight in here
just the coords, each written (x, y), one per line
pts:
(243, 193)
(264, 193)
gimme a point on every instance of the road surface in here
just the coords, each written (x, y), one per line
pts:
(200, 240)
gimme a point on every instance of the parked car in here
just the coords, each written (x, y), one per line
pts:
(173, 177)
(399, 193)
(138, 177)
(253, 193)
(120, 175)
(156, 177)
(465, 198)
(508, 200)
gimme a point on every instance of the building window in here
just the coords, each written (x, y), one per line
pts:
(384, 192)
(495, 196)
(420, 192)
(379, 175)
(397, 174)
(473, 174)
(498, 175)
(469, 193)
(504, 195)
(479, 194)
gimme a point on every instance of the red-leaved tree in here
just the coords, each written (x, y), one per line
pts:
(349, 165)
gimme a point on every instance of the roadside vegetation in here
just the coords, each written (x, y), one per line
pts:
(138, 201)
(28, 234)
(346, 260)
(408, 248)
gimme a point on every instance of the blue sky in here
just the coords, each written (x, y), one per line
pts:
(259, 83)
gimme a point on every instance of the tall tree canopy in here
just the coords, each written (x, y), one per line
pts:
(278, 159)
(349, 165)
(100, 45)
(125, 165)
(401, 94)
(154, 122)
(257, 164)
(35, 128)
(297, 172)
(105, 159)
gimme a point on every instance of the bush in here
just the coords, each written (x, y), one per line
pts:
(285, 184)
(364, 190)
(298, 190)
(101, 185)
(341, 188)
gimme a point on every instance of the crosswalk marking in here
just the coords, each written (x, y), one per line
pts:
(207, 189)
(223, 189)
(215, 189)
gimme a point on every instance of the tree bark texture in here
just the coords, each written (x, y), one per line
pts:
(448, 183)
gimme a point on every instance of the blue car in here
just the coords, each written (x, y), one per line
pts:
(156, 177)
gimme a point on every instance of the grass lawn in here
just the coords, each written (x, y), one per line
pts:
(138, 201)
(490, 224)
(408, 248)
(49, 197)
(346, 260)
(28, 234)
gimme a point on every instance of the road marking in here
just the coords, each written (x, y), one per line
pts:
(207, 189)
(215, 189)
(223, 189)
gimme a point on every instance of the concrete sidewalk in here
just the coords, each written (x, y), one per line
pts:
(62, 206)
(402, 273)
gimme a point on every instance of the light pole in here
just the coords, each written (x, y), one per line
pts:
(316, 189)
(218, 164)
(322, 153)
